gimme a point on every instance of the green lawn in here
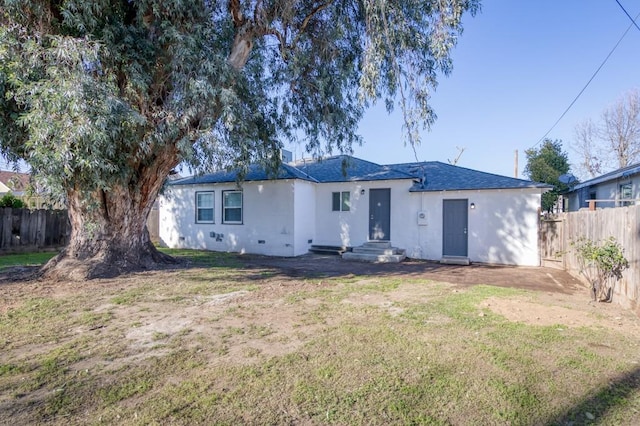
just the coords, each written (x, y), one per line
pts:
(25, 259)
(194, 257)
(228, 345)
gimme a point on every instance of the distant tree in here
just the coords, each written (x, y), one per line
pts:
(612, 142)
(546, 165)
(591, 154)
(104, 98)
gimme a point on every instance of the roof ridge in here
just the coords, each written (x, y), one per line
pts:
(461, 167)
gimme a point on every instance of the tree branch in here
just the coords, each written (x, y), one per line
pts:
(315, 11)
(307, 19)
(236, 13)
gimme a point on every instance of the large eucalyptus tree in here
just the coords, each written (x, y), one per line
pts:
(104, 98)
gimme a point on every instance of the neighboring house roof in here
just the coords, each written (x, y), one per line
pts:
(16, 182)
(344, 168)
(622, 173)
(437, 176)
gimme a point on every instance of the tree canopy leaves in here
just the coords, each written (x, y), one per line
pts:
(546, 165)
(92, 91)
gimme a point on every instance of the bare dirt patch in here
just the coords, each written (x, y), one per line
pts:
(567, 310)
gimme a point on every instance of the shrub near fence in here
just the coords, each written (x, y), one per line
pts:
(622, 223)
(26, 230)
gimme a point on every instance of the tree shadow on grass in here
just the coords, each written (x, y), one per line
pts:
(594, 406)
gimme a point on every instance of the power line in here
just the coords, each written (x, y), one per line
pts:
(629, 16)
(590, 80)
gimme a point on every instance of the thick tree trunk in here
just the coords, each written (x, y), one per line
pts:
(109, 233)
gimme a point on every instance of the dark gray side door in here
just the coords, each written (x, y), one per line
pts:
(380, 214)
(455, 215)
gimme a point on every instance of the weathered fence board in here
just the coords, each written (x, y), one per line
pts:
(623, 223)
(24, 229)
(552, 243)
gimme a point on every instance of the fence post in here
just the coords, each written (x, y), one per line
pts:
(7, 225)
(41, 223)
(25, 224)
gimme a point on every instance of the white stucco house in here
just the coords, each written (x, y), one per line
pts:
(618, 188)
(430, 209)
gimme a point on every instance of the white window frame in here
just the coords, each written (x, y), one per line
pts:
(629, 186)
(345, 201)
(225, 208)
(199, 207)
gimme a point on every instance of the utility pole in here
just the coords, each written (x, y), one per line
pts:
(515, 165)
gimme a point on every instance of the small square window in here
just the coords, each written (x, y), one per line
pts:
(341, 201)
(232, 207)
(626, 194)
(204, 207)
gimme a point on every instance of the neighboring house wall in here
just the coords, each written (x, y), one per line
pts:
(604, 191)
(578, 199)
(267, 219)
(612, 190)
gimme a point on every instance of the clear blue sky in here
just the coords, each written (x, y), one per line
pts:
(517, 66)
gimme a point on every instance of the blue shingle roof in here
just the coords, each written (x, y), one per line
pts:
(446, 177)
(255, 173)
(344, 168)
(436, 176)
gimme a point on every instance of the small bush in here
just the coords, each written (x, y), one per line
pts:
(602, 265)
(10, 200)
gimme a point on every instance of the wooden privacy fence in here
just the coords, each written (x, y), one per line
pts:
(24, 229)
(623, 223)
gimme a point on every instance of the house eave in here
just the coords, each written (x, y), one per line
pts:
(538, 188)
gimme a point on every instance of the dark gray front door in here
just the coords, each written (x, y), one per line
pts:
(454, 227)
(380, 214)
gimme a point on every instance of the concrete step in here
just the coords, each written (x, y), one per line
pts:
(455, 260)
(368, 257)
(320, 249)
(375, 250)
(377, 244)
